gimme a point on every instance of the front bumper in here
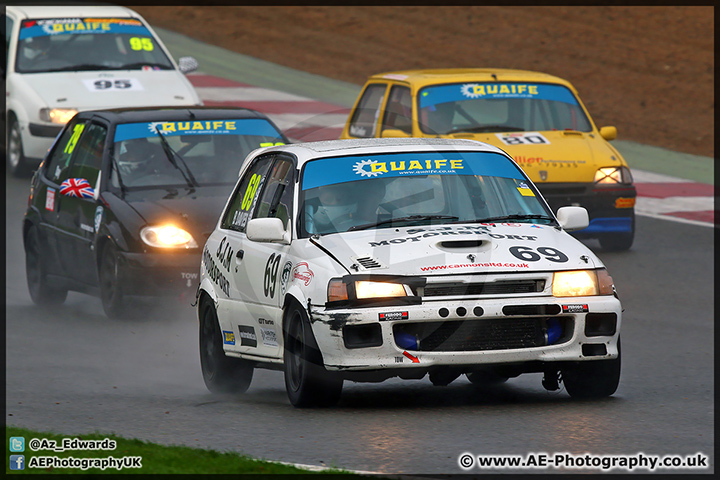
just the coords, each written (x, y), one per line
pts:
(455, 333)
(160, 274)
(610, 208)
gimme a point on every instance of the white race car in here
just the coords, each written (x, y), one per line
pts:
(367, 259)
(61, 60)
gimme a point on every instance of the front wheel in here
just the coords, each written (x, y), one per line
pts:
(16, 163)
(592, 380)
(40, 292)
(222, 374)
(307, 382)
(111, 294)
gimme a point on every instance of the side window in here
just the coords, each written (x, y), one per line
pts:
(277, 196)
(245, 195)
(398, 112)
(59, 159)
(8, 33)
(367, 113)
(89, 155)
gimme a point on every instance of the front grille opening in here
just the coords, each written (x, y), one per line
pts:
(482, 335)
(491, 288)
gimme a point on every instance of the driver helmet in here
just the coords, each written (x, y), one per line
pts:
(133, 156)
(335, 203)
(36, 47)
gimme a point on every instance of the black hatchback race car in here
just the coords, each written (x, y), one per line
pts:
(125, 198)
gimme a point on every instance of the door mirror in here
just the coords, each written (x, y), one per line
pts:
(187, 64)
(77, 187)
(267, 230)
(394, 133)
(608, 133)
(573, 218)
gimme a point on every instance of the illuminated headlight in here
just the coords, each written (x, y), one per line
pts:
(613, 175)
(57, 115)
(581, 283)
(337, 290)
(167, 236)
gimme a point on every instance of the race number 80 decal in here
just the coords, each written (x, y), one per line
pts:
(529, 255)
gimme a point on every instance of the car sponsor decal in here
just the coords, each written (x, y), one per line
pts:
(444, 231)
(432, 268)
(523, 138)
(247, 336)
(270, 279)
(98, 217)
(87, 228)
(228, 338)
(50, 199)
(525, 190)
(112, 85)
(393, 316)
(330, 171)
(214, 273)
(575, 308)
(527, 254)
(76, 187)
(434, 94)
(303, 273)
(285, 277)
(74, 26)
(239, 126)
(269, 337)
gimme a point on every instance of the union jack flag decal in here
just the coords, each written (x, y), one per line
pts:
(76, 187)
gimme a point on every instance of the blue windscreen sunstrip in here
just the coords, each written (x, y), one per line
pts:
(74, 26)
(456, 92)
(240, 126)
(329, 171)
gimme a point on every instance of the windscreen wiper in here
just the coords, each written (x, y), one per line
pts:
(484, 128)
(83, 68)
(409, 218)
(509, 217)
(135, 65)
(171, 154)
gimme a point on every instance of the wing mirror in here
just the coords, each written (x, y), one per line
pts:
(573, 218)
(77, 187)
(608, 133)
(187, 64)
(267, 230)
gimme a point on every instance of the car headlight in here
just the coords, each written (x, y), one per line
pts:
(581, 283)
(613, 175)
(338, 290)
(167, 236)
(57, 115)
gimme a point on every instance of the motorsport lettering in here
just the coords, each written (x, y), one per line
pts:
(433, 234)
(214, 272)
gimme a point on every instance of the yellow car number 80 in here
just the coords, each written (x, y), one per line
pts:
(144, 43)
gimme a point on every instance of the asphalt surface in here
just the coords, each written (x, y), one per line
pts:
(71, 370)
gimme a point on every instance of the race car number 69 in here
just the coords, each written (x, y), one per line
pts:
(527, 254)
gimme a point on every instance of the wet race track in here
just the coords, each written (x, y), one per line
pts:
(72, 370)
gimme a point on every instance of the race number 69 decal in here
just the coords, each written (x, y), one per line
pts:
(529, 255)
(271, 270)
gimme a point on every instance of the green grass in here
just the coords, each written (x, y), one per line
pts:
(156, 459)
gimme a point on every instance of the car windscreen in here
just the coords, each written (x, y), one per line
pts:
(186, 153)
(340, 194)
(499, 107)
(87, 44)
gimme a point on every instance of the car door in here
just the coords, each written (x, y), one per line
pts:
(47, 192)
(77, 204)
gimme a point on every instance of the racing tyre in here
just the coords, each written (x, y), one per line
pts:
(111, 294)
(592, 380)
(307, 382)
(40, 292)
(485, 378)
(222, 374)
(16, 163)
(618, 242)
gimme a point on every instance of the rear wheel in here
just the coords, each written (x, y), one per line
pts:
(222, 374)
(595, 379)
(16, 163)
(307, 382)
(40, 292)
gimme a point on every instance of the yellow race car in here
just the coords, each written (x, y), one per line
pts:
(537, 118)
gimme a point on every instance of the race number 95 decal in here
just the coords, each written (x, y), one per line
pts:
(529, 255)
